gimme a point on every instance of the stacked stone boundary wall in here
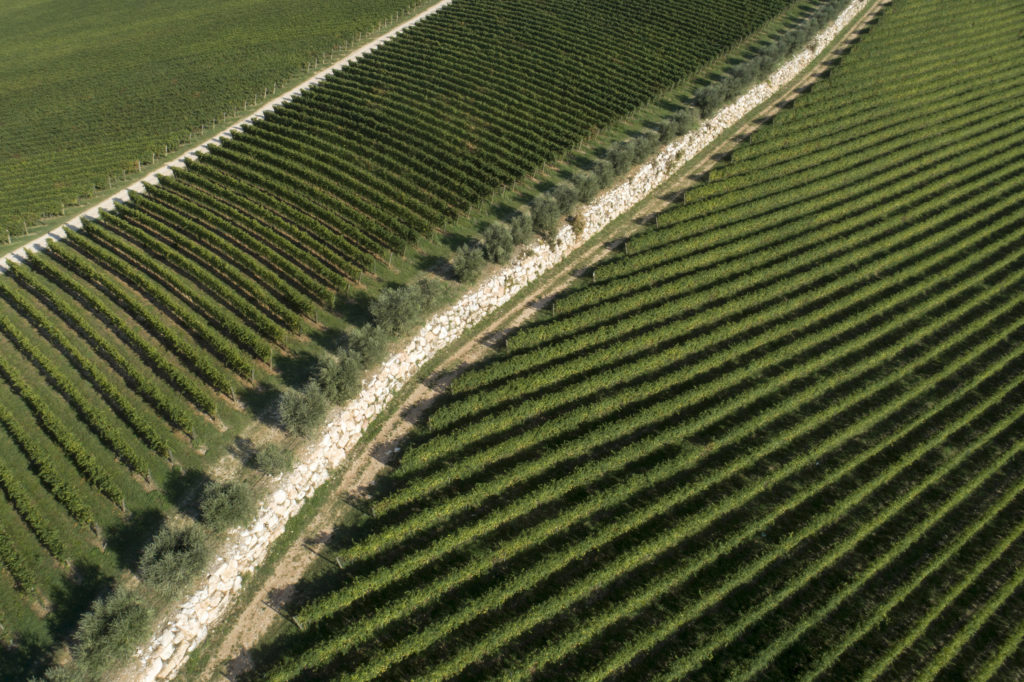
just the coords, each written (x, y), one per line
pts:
(111, 202)
(245, 549)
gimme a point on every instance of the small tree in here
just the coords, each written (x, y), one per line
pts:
(107, 633)
(709, 99)
(173, 558)
(566, 196)
(773, 52)
(429, 292)
(605, 173)
(646, 145)
(272, 459)
(545, 217)
(338, 376)
(392, 309)
(498, 243)
(369, 344)
(302, 411)
(688, 118)
(396, 310)
(468, 262)
(227, 505)
(622, 156)
(587, 185)
(669, 129)
(520, 226)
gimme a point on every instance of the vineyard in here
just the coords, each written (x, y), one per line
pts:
(779, 436)
(122, 88)
(135, 352)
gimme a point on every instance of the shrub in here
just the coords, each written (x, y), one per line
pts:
(762, 66)
(498, 243)
(520, 226)
(622, 156)
(338, 376)
(646, 145)
(173, 558)
(566, 195)
(587, 185)
(774, 51)
(272, 459)
(392, 309)
(786, 45)
(468, 262)
(302, 412)
(605, 172)
(709, 99)
(669, 129)
(688, 118)
(545, 216)
(227, 505)
(430, 291)
(396, 310)
(72, 672)
(108, 632)
(369, 344)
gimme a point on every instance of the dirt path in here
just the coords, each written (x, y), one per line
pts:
(231, 657)
(276, 592)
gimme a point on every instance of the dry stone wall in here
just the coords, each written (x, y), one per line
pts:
(246, 549)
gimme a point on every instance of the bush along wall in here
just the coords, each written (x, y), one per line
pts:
(338, 377)
(766, 58)
(543, 215)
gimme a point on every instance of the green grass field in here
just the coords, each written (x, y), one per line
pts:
(87, 89)
(779, 437)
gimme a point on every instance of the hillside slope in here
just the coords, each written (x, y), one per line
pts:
(138, 352)
(778, 438)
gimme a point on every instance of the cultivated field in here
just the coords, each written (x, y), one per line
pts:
(89, 89)
(778, 437)
(136, 352)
